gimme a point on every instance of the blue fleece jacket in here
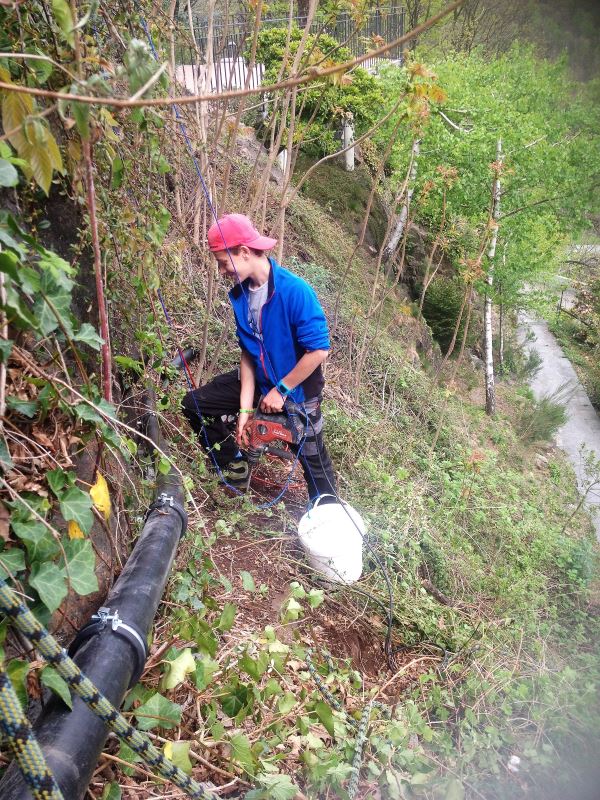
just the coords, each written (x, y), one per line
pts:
(292, 323)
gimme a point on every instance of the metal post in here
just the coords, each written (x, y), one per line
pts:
(348, 139)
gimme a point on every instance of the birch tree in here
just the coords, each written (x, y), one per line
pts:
(398, 231)
(490, 391)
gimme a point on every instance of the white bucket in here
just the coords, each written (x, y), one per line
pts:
(332, 538)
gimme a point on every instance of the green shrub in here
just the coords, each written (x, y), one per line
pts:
(359, 93)
(441, 308)
(540, 420)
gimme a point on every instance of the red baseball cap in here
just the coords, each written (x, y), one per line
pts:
(235, 229)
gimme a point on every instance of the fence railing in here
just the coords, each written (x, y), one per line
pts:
(231, 35)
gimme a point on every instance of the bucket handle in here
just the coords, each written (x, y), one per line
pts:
(321, 496)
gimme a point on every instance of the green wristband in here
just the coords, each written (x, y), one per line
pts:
(246, 411)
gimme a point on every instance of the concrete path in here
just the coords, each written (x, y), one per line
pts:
(583, 424)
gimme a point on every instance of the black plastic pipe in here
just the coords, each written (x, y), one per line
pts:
(72, 741)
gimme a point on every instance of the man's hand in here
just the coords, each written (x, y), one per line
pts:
(241, 436)
(272, 403)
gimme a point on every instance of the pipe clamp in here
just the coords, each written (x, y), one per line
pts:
(166, 501)
(98, 623)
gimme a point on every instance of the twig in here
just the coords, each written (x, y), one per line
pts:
(104, 332)
(314, 74)
(133, 765)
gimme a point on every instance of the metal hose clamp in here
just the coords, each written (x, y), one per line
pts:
(166, 501)
(98, 623)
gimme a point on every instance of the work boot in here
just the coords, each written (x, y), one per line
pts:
(236, 473)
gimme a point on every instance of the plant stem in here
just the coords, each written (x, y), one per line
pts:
(104, 332)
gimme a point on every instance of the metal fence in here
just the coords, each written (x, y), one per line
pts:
(231, 35)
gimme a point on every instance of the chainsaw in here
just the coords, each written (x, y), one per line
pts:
(273, 433)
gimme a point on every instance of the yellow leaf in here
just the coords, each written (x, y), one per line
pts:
(101, 496)
(74, 530)
(54, 153)
(15, 109)
(41, 166)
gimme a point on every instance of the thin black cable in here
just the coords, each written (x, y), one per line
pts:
(390, 610)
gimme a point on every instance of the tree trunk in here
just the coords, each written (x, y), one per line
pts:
(490, 389)
(398, 231)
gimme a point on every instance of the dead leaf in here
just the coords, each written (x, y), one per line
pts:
(32, 681)
(43, 439)
(4, 523)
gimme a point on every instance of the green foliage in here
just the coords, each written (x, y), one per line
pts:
(357, 94)
(539, 420)
(441, 308)
(549, 132)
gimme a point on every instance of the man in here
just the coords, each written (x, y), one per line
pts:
(283, 335)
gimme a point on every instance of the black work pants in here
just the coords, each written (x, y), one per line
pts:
(216, 405)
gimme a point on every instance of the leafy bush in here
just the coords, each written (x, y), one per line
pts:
(358, 94)
(441, 308)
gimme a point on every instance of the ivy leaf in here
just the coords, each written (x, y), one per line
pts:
(42, 69)
(87, 334)
(27, 408)
(6, 461)
(241, 752)
(178, 669)
(325, 715)
(6, 346)
(50, 678)
(112, 791)
(454, 790)
(41, 545)
(54, 311)
(286, 703)
(236, 698)
(12, 560)
(255, 667)
(77, 505)
(275, 787)
(158, 712)
(86, 413)
(247, 581)
(22, 318)
(107, 408)
(57, 480)
(17, 672)
(179, 753)
(8, 174)
(130, 756)
(49, 582)
(227, 617)
(205, 669)
(82, 566)
(315, 597)
(62, 14)
(9, 264)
